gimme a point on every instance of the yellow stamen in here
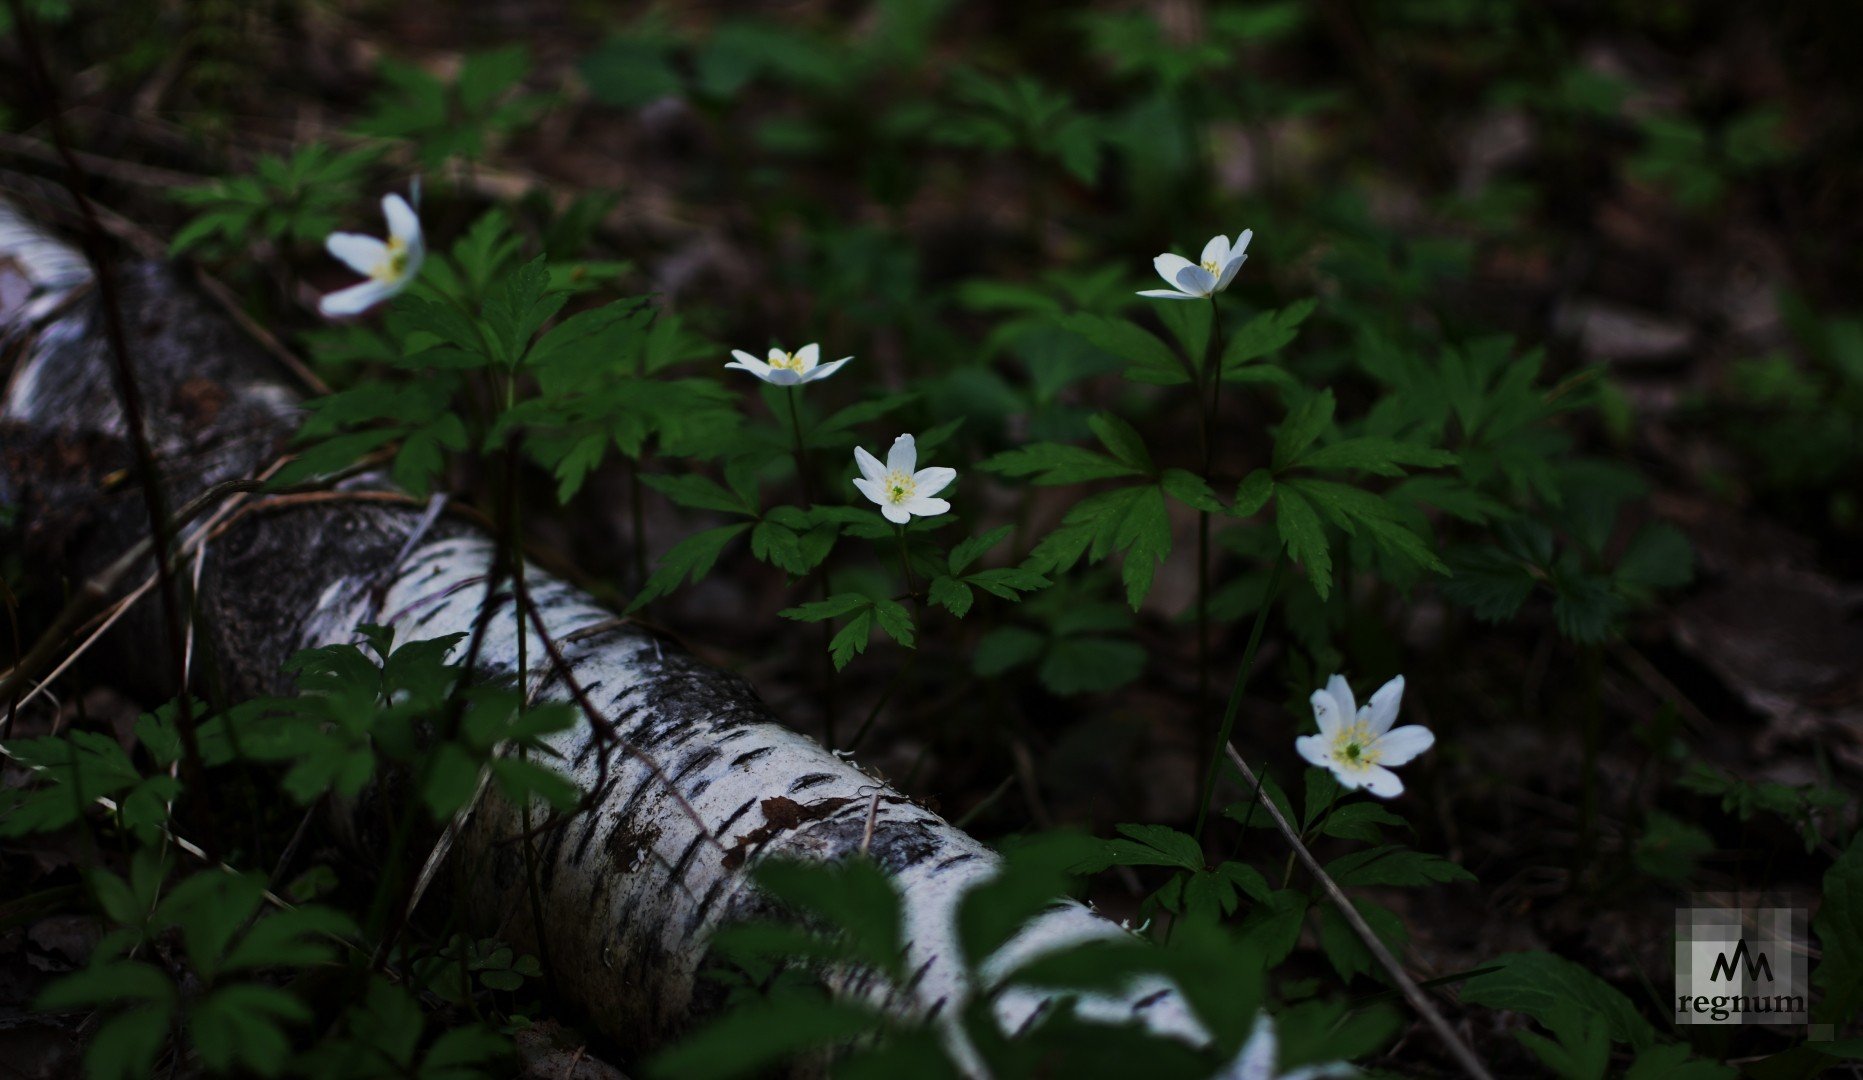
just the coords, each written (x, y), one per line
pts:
(899, 487)
(1355, 747)
(788, 362)
(1210, 265)
(394, 265)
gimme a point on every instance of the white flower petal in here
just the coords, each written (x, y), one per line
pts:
(1241, 244)
(826, 370)
(904, 456)
(747, 362)
(898, 515)
(777, 354)
(1229, 271)
(1196, 280)
(870, 466)
(809, 355)
(929, 482)
(363, 254)
(1326, 713)
(871, 489)
(1403, 745)
(1216, 252)
(1169, 265)
(1168, 294)
(403, 223)
(354, 300)
(1255, 1061)
(1349, 779)
(782, 377)
(1382, 711)
(924, 507)
(1313, 748)
(1380, 781)
(1342, 693)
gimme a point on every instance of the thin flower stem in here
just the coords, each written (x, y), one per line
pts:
(1213, 375)
(1412, 992)
(802, 463)
(800, 449)
(1235, 693)
(905, 564)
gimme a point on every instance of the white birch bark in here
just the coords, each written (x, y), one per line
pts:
(631, 891)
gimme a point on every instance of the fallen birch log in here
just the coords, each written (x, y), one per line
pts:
(630, 890)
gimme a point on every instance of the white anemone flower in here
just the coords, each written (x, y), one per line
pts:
(1357, 744)
(1260, 1057)
(389, 265)
(901, 492)
(788, 368)
(1201, 280)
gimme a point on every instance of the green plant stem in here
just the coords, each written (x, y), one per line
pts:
(1213, 376)
(801, 451)
(827, 633)
(905, 564)
(1235, 693)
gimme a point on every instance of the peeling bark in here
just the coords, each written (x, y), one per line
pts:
(632, 890)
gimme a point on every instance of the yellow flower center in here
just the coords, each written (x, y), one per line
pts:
(788, 362)
(1210, 265)
(899, 487)
(1355, 747)
(394, 266)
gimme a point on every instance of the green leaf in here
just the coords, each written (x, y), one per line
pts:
(1265, 333)
(1057, 463)
(832, 608)
(1146, 845)
(1190, 489)
(1253, 493)
(1839, 927)
(1488, 581)
(1303, 425)
(972, 548)
(851, 639)
(1145, 537)
(754, 1038)
(1121, 440)
(895, 621)
(1659, 557)
(1090, 665)
(1537, 983)
(1300, 530)
(689, 560)
(1006, 647)
(1381, 457)
(244, 1024)
(1150, 360)
(951, 594)
(1353, 509)
(1393, 865)
(1346, 950)
(1360, 821)
(1007, 582)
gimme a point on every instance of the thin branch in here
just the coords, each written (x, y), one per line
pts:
(1412, 992)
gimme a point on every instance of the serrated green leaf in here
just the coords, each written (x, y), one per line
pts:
(1264, 334)
(1190, 489)
(1381, 457)
(1150, 360)
(1302, 426)
(688, 561)
(1304, 537)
